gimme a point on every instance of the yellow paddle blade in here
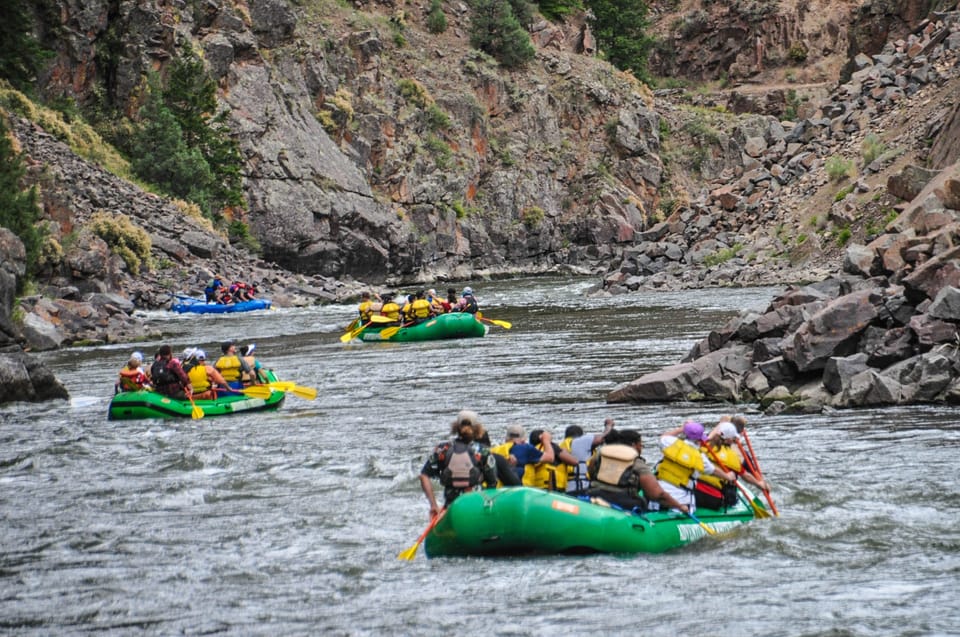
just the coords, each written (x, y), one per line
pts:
(307, 393)
(389, 332)
(282, 385)
(376, 318)
(196, 413)
(257, 391)
(346, 338)
(504, 324)
(410, 553)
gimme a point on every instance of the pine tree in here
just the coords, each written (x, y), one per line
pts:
(495, 31)
(21, 56)
(19, 209)
(620, 27)
(436, 19)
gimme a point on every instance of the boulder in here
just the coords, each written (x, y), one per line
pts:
(834, 330)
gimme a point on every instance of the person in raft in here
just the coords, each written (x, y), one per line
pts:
(460, 466)
(618, 474)
(168, 376)
(132, 376)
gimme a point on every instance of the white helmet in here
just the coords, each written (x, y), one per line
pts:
(468, 291)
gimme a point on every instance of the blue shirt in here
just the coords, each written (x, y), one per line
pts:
(525, 453)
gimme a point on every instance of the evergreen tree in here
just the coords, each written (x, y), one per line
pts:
(19, 209)
(21, 56)
(495, 31)
(556, 9)
(162, 157)
(620, 28)
(436, 19)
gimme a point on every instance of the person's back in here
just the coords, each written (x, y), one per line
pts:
(550, 472)
(420, 309)
(460, 466)
(168, 376)
(231, 365)
(132, 376)
(390, 310)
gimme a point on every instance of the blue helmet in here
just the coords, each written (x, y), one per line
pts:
(468, 291)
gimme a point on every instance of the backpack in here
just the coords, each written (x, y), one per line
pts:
(461, 467)
(160, 375)
(470, 304)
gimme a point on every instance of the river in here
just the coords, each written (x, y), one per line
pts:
(289, 523)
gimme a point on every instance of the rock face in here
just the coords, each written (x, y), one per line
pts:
(874, 335)
(22, 376)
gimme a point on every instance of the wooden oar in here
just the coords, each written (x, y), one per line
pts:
(754, 467)
(702, 525)
(410, 553)
(196, 413)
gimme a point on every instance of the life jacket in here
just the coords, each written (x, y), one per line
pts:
(420, 309)
(198, 378)
(613, 468)
(230, 367)
(132, 379)
(503, 450)
(681, 460)
(543, 475)
(365, 311)
(728, 458)
(575, 480)
(407, 311)
(460, 467)
(470, 304)
(391, 310)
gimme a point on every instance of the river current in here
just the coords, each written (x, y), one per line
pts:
(289, 523)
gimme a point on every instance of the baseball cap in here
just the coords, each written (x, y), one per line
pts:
(694, 431)
(728, 431)
(515, 431)
(200, 354)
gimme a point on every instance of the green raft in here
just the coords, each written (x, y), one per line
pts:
(522, 521)
(130, 405)
(443, 326)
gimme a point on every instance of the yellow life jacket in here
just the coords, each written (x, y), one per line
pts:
(229, 367)
(364, 310)
(542, 475)
(728, 458)
(502, 450)
(680, 461)
(420, 309)
(198, 378)
(391, 310)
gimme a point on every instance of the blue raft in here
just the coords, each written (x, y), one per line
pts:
(199, 306)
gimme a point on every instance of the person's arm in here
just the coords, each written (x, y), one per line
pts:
(711, 469)
(653, 491)
(490, 476)
(564, 456)
(548, 455)
(760, 484)
(427, 487)
(214, 375)
(607, 428)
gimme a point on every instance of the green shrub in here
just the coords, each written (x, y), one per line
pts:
(436, 18)
(842, 194)
(239, 232)
(837, 167)
(437, 118)
(414, 92)
(125, 239)
(440, 151)
(797, 53)
(872, 148)
(532, 216)
(556, 9)
(722, 256)
(843, 236)
(459, 209)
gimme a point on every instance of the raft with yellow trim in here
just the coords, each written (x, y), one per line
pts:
(522, 521)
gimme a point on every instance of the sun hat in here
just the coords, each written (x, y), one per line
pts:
(694, 431)
(728, 431)
(515, 431)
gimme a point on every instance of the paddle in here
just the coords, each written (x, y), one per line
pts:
(257, 391)
(410, 553)
(196, 413)
(754, 467)
(390, 331)
(704, 526)
(354, 324)
(758, 510)
(349, 336)
(504, 324)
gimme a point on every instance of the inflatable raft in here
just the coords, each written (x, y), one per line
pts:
(522, 520)
(443, 326)
(199, 306)
(131, 405)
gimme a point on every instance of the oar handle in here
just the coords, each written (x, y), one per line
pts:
(702, 524)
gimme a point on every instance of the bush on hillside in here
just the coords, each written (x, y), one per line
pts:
(620, 27)
(19, 209)
(436, 18)
(129, 241)
(495, 30)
